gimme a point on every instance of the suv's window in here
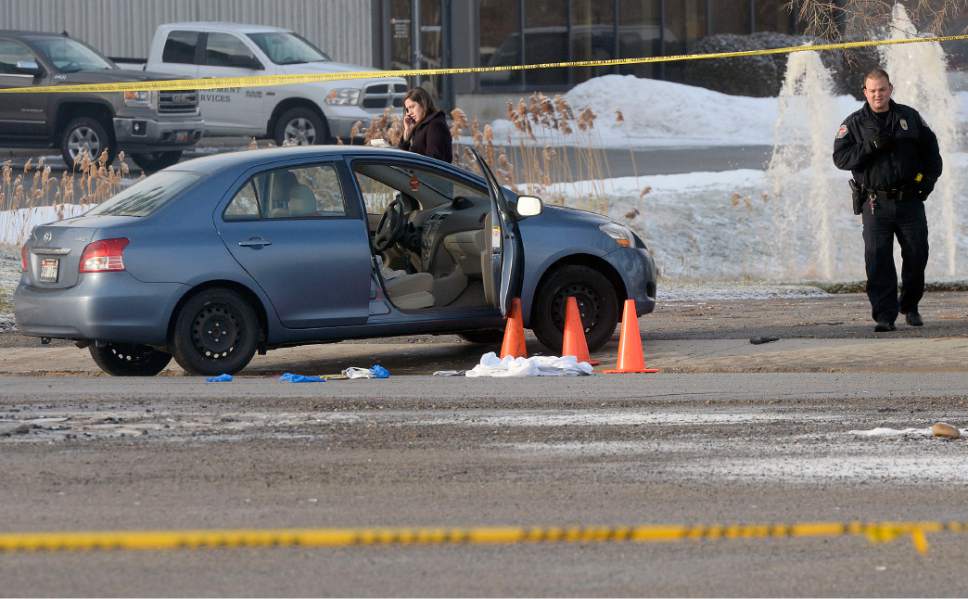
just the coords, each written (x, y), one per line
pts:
(307, 192)
(11, 53)
(70, 56)
(288, 48)
(147, 196)
(225, 50)
(180, 47)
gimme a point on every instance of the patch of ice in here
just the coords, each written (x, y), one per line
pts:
(612, 418)
(895, 432)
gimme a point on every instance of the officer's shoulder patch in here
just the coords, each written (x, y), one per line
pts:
(842, 131)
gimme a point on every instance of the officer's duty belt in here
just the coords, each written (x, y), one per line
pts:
(898, 194)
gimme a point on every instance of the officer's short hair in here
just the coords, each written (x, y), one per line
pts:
(877, 73)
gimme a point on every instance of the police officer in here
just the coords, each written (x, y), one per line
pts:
(895, 162)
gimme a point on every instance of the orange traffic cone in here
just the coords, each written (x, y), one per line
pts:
(630, 357)
(513, 344)
(573, 340)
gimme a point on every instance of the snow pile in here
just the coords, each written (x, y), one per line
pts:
(663, 113)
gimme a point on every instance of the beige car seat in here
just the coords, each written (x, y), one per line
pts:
(407, 291)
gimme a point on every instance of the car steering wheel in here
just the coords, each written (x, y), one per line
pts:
(392, 226)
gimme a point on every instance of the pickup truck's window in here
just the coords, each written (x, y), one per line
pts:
(225, 50)
(288, 48)
(147, 196)
(11, 53)
(305, 192)
(180, 47)
(70, 56)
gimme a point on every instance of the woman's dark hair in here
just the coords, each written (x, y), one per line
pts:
(422, 97)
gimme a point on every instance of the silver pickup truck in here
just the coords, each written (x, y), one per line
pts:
(153, 128)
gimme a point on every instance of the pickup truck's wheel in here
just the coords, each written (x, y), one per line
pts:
(125, 359)
(155, 161)
(597, 303)
(300, 126)
(85, 134)
(216, 331)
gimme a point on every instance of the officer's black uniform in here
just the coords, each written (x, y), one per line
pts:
(894, 156)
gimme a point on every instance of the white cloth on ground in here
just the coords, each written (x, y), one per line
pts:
(493, 366)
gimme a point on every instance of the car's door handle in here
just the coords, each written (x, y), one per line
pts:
(255, 242)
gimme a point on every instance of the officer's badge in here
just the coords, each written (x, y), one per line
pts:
(904, 124)
(842, 131)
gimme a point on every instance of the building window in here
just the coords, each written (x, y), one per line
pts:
(774, 15)
(729, 16)
(546, 40)
(500, 27)
(685, 25)
(639, 34)
(592, 36)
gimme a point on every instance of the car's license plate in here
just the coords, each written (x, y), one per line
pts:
(48, 270)
(181, 136)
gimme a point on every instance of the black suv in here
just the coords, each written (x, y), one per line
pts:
(151, 127)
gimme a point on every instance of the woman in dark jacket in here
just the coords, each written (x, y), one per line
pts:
(424, 127)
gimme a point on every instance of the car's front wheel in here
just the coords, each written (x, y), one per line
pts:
(151, 162)
(126, 359)
(597, 303)
(216, 331)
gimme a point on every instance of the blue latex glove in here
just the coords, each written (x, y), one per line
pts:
(379, 372)
(288, 377)
(222, 378)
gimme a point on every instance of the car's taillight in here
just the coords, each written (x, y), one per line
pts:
(104, 255)
(23, 258)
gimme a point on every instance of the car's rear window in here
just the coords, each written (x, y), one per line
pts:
(147, 196)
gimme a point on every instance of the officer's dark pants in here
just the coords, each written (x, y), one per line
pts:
(904, 218)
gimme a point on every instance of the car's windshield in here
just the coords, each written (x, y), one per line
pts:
(288, 48)
(146, 196)
(71, 56)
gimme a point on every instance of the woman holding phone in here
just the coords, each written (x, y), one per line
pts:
(424, 127)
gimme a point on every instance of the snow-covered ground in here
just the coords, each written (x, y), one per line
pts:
(663, 113)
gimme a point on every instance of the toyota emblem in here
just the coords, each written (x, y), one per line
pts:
(48, 236)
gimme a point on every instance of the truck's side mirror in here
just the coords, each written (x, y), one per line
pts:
(28, 67)
(528, 206)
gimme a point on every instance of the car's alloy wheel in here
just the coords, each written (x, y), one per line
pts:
(216, 331)
(597, 304)
(126, 359)
(83, 140)
(300, 126)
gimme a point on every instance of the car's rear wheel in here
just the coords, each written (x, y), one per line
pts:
(484, 337)
(126, 359)
(216, 331)
(151, 162)
(597, 303)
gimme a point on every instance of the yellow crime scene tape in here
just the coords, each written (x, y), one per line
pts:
(875, 532)
(273, 80)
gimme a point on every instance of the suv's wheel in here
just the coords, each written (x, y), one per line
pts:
(300, 126)
(216, 331)
(85, 134)
(597, 303)
(486, 336)
(151, 162)
(126, 359)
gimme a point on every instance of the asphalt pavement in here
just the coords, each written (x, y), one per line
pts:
(828, 423)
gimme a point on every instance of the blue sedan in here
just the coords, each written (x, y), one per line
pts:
(217, 258)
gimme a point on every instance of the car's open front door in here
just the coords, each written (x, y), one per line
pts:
(502, 260)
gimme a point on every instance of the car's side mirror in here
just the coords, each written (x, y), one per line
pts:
(529, 206)
(28, 67)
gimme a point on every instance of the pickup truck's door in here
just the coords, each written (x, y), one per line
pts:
(179, 55)
(235, 110)
(22, 116)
